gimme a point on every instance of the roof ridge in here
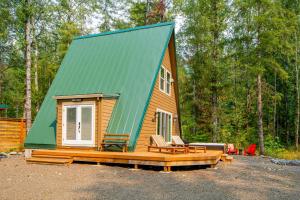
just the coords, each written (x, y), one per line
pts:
(124, 30)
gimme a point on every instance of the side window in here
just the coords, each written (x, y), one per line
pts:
(165, 81)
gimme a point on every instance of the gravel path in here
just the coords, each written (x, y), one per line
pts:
(245, 178)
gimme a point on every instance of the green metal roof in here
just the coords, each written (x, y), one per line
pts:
(124, 62)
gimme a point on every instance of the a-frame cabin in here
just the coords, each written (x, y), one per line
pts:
(121, 82)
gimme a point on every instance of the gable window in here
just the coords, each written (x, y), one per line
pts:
(165, 80)
(164, 124)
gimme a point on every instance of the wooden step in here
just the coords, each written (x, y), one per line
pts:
(229, 159)
(223, 157)
(50, 160)
(51, 156)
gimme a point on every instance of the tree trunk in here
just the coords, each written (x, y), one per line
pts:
(214, 80)
(260, 116)
(147, 12)
(286, 120)
(36, 53)
(275, 107)
(28, 69)
(297, 98)
(214, 115)
(36, 76)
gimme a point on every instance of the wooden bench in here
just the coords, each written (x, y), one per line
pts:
(119, 140)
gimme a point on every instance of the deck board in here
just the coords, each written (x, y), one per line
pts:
(136, 158)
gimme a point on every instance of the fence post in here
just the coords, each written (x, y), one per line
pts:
(22, 133)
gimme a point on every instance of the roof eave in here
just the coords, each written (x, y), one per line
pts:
(85, 96)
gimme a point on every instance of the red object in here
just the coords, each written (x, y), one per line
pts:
(250, 150)
(232, 150)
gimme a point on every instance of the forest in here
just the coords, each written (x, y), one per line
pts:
(237, 60)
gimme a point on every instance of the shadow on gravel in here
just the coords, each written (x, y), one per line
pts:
(146, 167)
(241, 180)
(117, 182)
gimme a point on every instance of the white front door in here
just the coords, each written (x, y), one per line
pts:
(78, 125)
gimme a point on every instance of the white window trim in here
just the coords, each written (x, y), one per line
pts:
(165, 80)
(66, 142)
(171, 129)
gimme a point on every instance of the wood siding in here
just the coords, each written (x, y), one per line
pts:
(103, 110)
(162, 101)
(107, 107)
(12, 134)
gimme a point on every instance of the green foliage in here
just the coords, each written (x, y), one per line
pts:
(14, 87)
(67, 32)
(252, 37)
(273, 146)
(138, 13)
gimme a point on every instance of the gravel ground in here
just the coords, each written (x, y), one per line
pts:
(245, 178)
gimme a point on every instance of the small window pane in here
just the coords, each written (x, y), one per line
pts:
(86, 123)
(168, 77)
(169, 127)
(71, 123)
(168, 83)
(158, 123)
(162, 84)
(162, 79)
(164, 124)
(162, 72)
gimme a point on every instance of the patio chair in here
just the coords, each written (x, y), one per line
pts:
(232, 150)
(177, 141)
(158, 142)
(250, 150)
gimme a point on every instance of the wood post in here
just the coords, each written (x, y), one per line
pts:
(99, 124)
(22, 132)
(167, 168)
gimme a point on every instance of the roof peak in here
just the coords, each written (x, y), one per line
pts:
(125, 30)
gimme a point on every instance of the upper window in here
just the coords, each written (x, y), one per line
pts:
(165, 80)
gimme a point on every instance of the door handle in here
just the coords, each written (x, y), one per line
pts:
(79, 127)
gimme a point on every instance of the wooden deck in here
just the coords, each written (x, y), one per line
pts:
(210, 158)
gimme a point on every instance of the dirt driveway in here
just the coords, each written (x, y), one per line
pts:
(246, 178)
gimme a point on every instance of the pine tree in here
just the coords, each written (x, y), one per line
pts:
(205, 36)
(267, 25)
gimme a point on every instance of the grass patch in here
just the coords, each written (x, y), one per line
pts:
(275, 149)
(289, 155)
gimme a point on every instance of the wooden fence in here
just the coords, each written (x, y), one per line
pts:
(12, 134)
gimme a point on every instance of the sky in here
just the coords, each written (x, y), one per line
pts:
(93, 22)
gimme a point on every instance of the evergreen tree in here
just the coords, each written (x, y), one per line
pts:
(205, 38)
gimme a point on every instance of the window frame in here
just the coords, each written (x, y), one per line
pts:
(77, 142)
(167, 114)
(165, 81)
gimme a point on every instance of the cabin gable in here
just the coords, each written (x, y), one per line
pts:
(161, 101)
